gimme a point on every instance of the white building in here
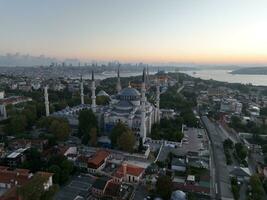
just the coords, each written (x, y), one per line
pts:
(231, 105)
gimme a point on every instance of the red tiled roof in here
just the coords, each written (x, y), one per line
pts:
(46, 175)
(98, 157)
(14, 177)
(14, 100)
(130, 169)
(112, 189)
(191, 188)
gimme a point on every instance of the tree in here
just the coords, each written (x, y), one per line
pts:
(241, 151)
(140, 146)
(49, 194)
(93, 137)
(164, 187)
(256, 188)
(30, 113)
(33, 160)
(60, 128)
(34, 189)
(235, 188)
(126, 141)
(102, 100)
(168, 129)
(67, 165)
(189, 119)
(116, 132)
(228, 144)
(55, 169)
(264, 148)
(236, 123)
(61, 167)
(87, 121)
(263, 112)
(17, 125)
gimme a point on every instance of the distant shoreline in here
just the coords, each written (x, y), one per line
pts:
(250, 71)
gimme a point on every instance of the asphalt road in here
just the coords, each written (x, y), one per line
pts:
(222, 185)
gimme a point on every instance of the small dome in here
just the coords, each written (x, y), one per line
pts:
(129, 92)
(178, 195)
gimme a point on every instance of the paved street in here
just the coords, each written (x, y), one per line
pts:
(222, 185)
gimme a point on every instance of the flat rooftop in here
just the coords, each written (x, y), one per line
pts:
(78, 186)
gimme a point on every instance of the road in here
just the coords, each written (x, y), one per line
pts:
(222, 185)
(180, 89)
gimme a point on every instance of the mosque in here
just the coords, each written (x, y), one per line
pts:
(128, 106)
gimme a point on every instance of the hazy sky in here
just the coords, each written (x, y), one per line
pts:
(201, 31)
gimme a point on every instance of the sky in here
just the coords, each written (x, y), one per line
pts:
(193, 31)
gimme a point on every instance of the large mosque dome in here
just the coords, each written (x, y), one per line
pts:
(129, 94)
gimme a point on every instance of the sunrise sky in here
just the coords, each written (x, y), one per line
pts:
(200, 31)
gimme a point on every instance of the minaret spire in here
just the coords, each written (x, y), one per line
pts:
(4, 111)
(143, 108)
(82, 94)
(158, 102)
(118, 86)
(147, 76)
(46, 101)
(93, 97)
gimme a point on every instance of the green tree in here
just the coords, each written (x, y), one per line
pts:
(60, 128)
(17, 125)
(33, 160)
(48, 195)
(102, 100)
(87, 121)
(61, 167)
(30, 113)
(34, 189)
(126, 141)
(256, 188)
(55, 169)
(116, 132)
(228, 144)
(241, 151)
(164, 187)
(93, 137)
(67, 165)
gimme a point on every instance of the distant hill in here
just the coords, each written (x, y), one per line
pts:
(251, 71)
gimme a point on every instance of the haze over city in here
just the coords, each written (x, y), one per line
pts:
(133, 100)
(152, 31)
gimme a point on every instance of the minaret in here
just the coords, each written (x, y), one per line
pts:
(4, 111)
(93, 97)
(118, 86)
(158, 102)
(82, 94)
(147, 76)
(143, 108)
(46, 101)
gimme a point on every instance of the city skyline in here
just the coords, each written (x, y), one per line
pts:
(204, 32)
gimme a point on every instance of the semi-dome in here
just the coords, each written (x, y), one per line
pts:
(102, 93)
(129, 94)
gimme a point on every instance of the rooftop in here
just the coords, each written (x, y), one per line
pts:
(98, 157)
(130, 169)
(100, 183)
